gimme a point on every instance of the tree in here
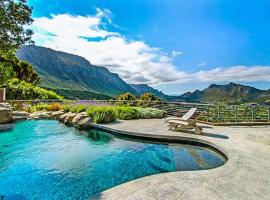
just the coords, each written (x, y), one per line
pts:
(126, 97)
(146, 100)
(14, 16)
(18, 89)
(149, 97)
(25, 72)
(12, 67)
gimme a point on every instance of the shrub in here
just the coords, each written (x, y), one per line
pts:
(78, 109)
(66, 107)
(22, 90)
(148, 113)
(102, 114)
(126, 113)
(149, 97)
(38, 107)
(126, 99)
(54, 107)
(147, 100)
(16, 107)
(126, 96)
(26, 107)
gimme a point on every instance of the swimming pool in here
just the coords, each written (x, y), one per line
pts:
(47, 160)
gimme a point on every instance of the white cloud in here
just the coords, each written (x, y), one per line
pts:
(234, 73)
(176, 53)
(134, 61)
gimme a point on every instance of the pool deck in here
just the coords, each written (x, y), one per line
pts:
(246, 174)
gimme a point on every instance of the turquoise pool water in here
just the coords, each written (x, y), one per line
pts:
(48, 160)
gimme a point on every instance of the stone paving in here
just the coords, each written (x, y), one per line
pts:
(246, 174)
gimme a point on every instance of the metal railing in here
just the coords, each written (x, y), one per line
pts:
(205, 112)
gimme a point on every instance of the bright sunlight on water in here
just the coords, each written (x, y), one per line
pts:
(48, 160)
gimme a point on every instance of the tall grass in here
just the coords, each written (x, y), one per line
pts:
(126, 113)
(78, 108)
(105, 114)
(148, 113)
(102, 114)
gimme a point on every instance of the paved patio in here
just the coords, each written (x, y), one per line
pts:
(246, 175)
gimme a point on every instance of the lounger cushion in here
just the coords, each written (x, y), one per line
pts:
(178, 122)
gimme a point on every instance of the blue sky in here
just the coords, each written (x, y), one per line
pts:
(173, 45)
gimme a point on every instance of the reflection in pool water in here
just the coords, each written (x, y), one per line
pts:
(47, 160)
(98, 137)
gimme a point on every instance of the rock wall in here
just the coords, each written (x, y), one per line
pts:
(5, 113)
(79, 120)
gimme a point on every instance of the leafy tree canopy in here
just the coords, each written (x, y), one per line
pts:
(14, 16)
(18, 76)
(17, 89)
(126, 96)
(149, 97)
(12, 67)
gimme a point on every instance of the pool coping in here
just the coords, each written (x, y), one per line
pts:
(163, 138)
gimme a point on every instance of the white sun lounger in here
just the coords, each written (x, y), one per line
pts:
(184, 123)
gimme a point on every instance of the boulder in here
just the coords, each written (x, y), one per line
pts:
(19, 115)
(69, 118)
(5, 113)
(57, 114)
(40, 115)
(5, 105)
(63, 117)
(78, 118)
(84, 124)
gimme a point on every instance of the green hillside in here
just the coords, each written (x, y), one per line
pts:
(63, 71)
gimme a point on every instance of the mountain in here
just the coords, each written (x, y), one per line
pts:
(227, 93)
(144, 88)
(76, 78)
(73, 74)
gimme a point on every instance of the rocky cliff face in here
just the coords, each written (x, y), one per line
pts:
(60, 70)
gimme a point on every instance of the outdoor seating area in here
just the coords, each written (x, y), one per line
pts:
(184, 123)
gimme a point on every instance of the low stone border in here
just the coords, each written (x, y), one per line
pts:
(78, 120)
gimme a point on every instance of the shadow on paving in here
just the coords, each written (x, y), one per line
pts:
(215, 135)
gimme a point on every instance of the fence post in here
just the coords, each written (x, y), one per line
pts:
(208, 113)
(218, 113)
(269, 114)
(252, 114)
(235, 113)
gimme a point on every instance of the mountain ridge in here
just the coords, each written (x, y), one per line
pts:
(61, 70)
(144, 88)
(75, 77)
(231, 92)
